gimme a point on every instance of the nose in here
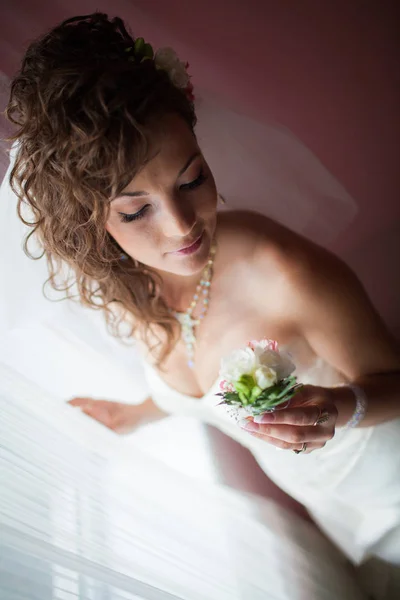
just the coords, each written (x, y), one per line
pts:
(178, 218)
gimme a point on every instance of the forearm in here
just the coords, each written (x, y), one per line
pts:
(383, 393)
(149, 412)
(132, 416)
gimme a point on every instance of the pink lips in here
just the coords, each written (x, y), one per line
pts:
(190, 249)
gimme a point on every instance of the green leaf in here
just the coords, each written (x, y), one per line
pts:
(262, 401)
(232, 396)
(243, 399)
(255, 393)
(268, 392)
(148, 51)
(139, 45)
(286, 390)
(242, 388)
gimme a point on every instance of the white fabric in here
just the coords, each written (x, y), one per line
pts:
(264, 167)
(81, 518)
(351, 487)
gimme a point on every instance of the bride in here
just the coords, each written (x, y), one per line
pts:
(109, 165)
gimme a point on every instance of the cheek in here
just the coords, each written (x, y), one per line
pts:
(210, 195)
(116, 231)
(121, 233)
(136, 239)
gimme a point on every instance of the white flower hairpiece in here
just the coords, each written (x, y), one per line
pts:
(165, 59)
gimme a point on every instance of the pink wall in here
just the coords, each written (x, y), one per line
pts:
(326, 70)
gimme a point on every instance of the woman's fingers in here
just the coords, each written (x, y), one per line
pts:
(81, 402)
(306, 415)
(103, 411)
(309, 419)
(282, 445)
(290, 433)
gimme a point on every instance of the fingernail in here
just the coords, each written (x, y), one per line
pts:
(248, 425)
(265, 418)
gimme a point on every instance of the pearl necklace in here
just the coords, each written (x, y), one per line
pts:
(186, 319)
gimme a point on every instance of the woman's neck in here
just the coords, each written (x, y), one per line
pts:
(178, 291)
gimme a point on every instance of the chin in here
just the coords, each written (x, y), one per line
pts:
(191, 264)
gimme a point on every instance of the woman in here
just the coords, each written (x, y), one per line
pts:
(109, 164)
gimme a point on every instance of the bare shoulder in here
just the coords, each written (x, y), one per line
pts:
(275, 249)
(313, 294)
(242, 233)
(242, 226)
(297, 276)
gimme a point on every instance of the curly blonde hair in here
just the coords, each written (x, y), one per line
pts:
(84, 115)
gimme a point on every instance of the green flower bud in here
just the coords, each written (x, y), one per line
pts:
(247, 380)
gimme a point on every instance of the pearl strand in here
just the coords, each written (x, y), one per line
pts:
(187, 321)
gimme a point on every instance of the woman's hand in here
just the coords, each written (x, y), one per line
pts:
(306, 425)
(121, 418)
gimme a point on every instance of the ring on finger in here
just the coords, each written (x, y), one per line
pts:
(323, 417)
(302, 449)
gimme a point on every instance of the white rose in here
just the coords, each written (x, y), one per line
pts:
(265, 377)
(267, 357)
(278, 361)
(285, 366)
(167, 59)
(179, 77)
(264, 355)
(240, 362)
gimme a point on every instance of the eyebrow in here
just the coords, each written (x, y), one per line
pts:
(142, 193)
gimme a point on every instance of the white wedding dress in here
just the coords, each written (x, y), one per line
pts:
(351, 487)
(83, 517)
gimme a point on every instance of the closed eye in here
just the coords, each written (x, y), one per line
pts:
(195, 183)
(125, 218)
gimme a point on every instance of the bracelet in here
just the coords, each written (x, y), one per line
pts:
(361, 406)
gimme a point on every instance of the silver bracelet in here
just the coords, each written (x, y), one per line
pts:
(361, 406)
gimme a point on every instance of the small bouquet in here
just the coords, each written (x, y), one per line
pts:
(257, 378)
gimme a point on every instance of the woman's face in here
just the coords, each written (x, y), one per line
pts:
(166, 216)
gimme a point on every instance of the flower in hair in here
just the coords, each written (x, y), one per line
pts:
(165, 59)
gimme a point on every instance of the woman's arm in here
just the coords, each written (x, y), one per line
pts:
(331, 310)
(321, 300)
